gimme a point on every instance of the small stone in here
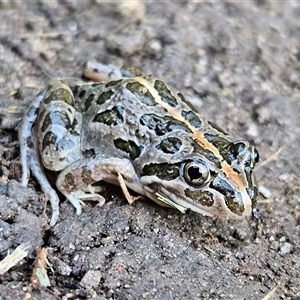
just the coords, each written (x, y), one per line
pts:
(274, 245)
(59, 266)
(265, 192)
(285, 248)
(155, 45)
(133, 10)
(241, 234)
(72, 25)
(252, 130)
(240, 255)
(271, 238)
(27, 296)
(282, 239)
(91, 279)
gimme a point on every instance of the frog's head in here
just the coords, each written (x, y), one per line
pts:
(215, 182)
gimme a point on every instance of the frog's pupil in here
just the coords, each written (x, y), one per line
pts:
(256, 156)
(194, 172)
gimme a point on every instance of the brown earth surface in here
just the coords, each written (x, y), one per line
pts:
(239, 63)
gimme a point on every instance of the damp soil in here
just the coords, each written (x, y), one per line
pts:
(239, 65)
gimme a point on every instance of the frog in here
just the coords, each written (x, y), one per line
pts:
(132, 129)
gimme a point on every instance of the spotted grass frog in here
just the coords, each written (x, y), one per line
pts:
(134, 130)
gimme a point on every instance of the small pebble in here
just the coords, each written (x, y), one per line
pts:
(91, 279)
(265, 192)
(285, 248)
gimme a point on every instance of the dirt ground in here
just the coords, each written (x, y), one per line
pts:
(239, 63)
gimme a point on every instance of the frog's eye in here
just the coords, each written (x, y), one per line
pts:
(256, 155)
(196, 173)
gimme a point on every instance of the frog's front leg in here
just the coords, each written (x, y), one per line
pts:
(75, 182)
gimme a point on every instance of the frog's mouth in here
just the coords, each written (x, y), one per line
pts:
(215, 200)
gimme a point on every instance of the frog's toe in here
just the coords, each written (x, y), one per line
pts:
(74, 199)
(77, 199)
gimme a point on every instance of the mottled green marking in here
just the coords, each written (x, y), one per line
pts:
(170, 145)
(70, 181)
(61, 94)
(128, 71)
(89, 101)
(60, 118)
(129, 147)
(86, 176)
(222, 144)
(205, 198)
(113, 83)
(165, 93)
(164, 171)
(162, 125)
(235, 205)
(110, 117)
(104, 97)
(50, 138)
(141, 93)
(75, 89)
(233, 199)
(192, 118)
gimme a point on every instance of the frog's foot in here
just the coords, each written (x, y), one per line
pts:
(39, 173)
(99, 72)
(125, 191)
(77, 198)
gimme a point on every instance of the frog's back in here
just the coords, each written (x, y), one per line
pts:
(126, 116)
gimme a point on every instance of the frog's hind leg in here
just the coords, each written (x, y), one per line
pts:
(100, 72)
(60, 127)
(25, 134)
(30, 157)
(76, 181)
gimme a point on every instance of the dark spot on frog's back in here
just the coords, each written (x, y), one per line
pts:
(104, 97)
(205, 198)
(56, 118)
(222, 144)
(75, 89)
(141, 93)
(162, 125)
(165, 93)
(49, 139)
(164, 171)
(70, 181)
(61, 94)
(110, 117)
(81, 94)
(192, 118)
(86, 176)
(89, 101)
(113, 83)
(129, 147)
(170, 145)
